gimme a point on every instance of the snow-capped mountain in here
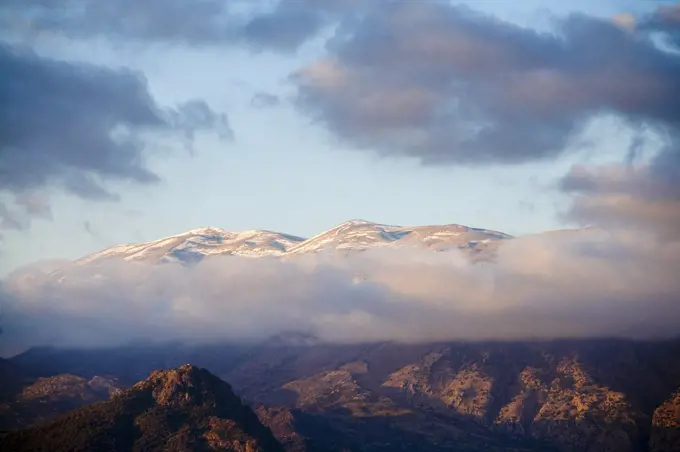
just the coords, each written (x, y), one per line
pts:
(193, 246)
(358, 235)
(355, 235)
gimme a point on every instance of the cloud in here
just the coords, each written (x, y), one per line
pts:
(286, 27)
(75, 126)
(665, 19)
(441, 83)
(640, 196)
(446, 84)
(26, 208)
(8, 219)
(565, 284)
(264, 100)
(181, 21)
(35, 205)
(282, 27)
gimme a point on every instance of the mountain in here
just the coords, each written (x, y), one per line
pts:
(356, 235)
(360, 235)
(591, 395)
(186, 408)
(567, 395)
(43, 398)
(665, 435)
(11, 376)
(352, 236)
(192, 246)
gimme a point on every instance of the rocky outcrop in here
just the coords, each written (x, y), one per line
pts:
(591, 395)
(579, 414)
(552, 400)
(186, 408)
(47, 397)
(283, 424)
(665, 434)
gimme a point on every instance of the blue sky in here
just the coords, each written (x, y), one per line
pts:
(284, 171)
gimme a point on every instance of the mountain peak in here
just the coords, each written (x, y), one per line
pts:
(173, 409)
(186, 384)
(191, 247)
(205, 230)
(357, 222)
(185, 372)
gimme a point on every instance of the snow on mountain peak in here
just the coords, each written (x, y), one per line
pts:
(205, 230)
(354, 235)
(357, 235)
(194, 245)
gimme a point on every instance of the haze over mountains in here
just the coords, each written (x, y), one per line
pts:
(366, 337)
(359, 281)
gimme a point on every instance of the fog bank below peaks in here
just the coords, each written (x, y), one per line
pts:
(553, 285)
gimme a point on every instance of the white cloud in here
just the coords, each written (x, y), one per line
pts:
(564, 284)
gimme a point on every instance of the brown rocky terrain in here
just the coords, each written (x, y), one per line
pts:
(186, 408)
(592, 395)
(665, 435)
(48, 397)
(575, 395)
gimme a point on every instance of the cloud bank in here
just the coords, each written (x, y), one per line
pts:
(562, 284)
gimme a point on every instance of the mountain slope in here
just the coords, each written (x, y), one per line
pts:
(356, 235)
(665, 436)
(573, 395)
(588, 395)
(360, 235)
(47, 397)
(192, 246)
(186, 408)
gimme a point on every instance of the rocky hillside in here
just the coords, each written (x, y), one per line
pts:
(573, 395)
(186, 408)
(589, 395)
(44, 398)
(665, 435)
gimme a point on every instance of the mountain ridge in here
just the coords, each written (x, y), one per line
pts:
(185, 408)
(570, 395)
(354, 235)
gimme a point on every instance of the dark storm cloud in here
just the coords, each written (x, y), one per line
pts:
(77, 126)
(446, 84)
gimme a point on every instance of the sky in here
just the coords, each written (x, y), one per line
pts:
(128, 123)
